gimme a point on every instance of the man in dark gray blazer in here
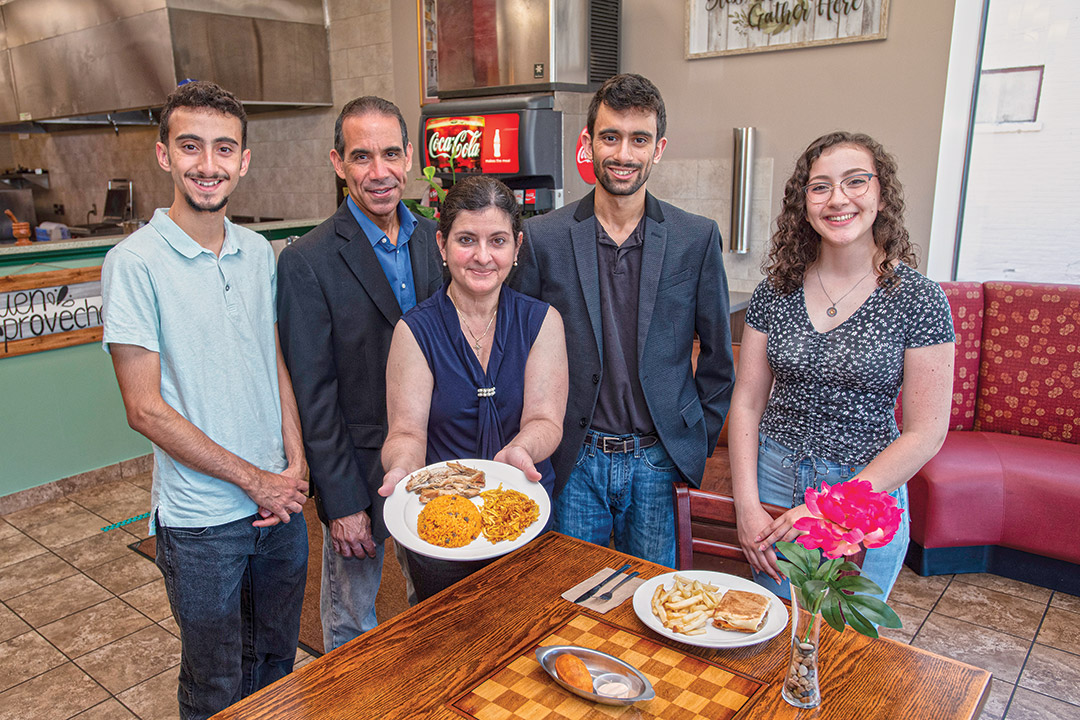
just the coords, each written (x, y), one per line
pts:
(341, 289)
(634, 279)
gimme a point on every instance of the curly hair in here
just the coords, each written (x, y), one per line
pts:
(202, 94)
(795, 243)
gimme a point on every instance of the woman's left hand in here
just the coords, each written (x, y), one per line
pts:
(519, 457)
(780, 530)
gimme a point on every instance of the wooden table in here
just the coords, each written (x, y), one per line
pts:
(425, 662)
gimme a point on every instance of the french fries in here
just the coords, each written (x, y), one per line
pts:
(687, 607)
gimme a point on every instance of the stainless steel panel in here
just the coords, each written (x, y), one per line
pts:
(493, 50)
(122, 65)
(258, 60)
(303, 11)
(508, 43)
(9, 111)
(523, 38)
(29, 21)
(571, 47)
(742, 190)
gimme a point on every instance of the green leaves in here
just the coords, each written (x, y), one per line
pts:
(429, 175)
(822, 588)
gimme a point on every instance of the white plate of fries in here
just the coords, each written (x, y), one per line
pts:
(678, 605)
(403, 508)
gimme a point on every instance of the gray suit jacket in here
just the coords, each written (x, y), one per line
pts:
(336, 315)
(683, 291)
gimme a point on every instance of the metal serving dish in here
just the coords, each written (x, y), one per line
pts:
(599, 664)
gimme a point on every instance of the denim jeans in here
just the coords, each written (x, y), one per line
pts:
(784, 482)
(628, 494)
(236, 593)
(348, 590)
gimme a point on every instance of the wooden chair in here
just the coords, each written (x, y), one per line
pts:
(705, 523)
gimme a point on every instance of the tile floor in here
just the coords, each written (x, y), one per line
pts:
(85, 628)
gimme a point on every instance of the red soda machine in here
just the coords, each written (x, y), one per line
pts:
(516, 138)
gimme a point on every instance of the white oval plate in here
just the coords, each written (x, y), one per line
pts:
(403, 508)
(714, 637)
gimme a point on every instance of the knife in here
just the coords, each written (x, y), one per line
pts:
(588, 594)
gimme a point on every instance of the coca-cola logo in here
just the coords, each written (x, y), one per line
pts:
(584, 162)
(464, 145)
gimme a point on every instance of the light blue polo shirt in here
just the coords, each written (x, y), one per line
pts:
(211, 320)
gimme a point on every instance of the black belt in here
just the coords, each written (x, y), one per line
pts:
(609, 444)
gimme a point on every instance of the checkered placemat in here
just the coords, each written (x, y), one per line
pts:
(686, 686)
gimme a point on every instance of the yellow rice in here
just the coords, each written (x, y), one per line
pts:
(449, 521)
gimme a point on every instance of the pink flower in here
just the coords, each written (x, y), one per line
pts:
(847, 515)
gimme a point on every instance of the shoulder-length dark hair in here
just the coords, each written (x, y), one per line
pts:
(795, 243)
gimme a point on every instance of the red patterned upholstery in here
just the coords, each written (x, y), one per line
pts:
(1011, 478)
(1029, 380)
(966, 301)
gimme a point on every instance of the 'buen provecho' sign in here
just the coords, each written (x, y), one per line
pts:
(730, 27)
(49, 310)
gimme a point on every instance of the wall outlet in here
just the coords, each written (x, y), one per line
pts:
(58, 209)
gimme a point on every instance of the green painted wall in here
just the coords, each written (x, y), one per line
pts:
(62, 415)
(60, 411)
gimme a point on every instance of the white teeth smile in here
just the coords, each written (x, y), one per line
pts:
(841, 218)
(207, 183)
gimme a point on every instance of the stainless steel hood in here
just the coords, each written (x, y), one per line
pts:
(65, 63)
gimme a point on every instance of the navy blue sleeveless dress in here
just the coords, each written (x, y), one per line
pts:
(468, 419)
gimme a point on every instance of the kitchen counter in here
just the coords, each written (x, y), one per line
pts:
(98, 245)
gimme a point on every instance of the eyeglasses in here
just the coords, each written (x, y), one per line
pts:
(852, 186)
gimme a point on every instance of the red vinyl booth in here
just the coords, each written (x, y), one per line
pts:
(1003, 493)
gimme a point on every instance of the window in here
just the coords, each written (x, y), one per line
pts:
(1009, 95)
(1005, 205)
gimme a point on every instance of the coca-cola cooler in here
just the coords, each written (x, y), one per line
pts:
(516, 138)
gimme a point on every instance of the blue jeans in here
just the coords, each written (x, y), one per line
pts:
(626, 493)
(348, 590)
(782, 481)
(236, 593)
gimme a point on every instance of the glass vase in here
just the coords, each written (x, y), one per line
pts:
(801, 687)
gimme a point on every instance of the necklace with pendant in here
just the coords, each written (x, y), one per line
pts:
(831, 311)
(476, 340)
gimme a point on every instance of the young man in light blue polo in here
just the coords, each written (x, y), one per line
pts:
(190, 324)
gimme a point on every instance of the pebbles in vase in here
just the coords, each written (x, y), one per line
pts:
(801, 680)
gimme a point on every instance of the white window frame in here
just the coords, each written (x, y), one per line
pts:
(956, 122)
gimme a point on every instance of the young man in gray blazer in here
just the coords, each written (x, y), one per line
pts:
(635, 279)
(341, 289)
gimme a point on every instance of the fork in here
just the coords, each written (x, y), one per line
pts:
(607, 596)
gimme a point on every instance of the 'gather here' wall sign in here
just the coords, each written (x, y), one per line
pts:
(732, 27)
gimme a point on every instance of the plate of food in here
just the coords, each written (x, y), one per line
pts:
(709, 609)
(466, 510)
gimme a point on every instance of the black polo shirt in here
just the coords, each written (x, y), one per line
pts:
(620, 407)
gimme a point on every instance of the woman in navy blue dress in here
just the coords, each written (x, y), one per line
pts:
(477, 370)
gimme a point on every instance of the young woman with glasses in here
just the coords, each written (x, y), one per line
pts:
(841, 323)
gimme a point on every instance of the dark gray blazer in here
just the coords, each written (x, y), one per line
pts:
(683, 291)
(336, 315)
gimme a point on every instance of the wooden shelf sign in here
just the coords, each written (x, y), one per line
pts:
(49, 310)
(734, 27)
